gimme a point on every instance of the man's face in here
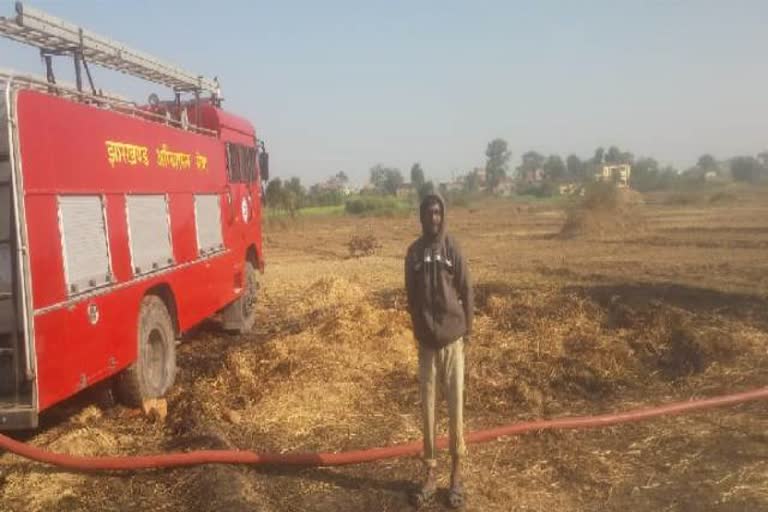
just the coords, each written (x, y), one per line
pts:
(433, 217)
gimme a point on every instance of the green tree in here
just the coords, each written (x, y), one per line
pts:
(321, 196)
(385, 180)
(274, 193)
(597, 159)
(575, 167)
(426, 189)
(342, 177)
(707, 163)
(554, 168)
(530, 161)
(615, 156)
(668, 177)
(496, 166)
(295, 187)
(417, 176)
(746, 168)
(645, 174)
(472, 182)
(294, 195)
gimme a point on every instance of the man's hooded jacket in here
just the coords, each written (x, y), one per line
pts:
(440, 298)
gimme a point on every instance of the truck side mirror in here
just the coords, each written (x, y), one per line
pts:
(264, 166)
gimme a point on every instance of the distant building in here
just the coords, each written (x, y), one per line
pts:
(533, 176)
(405, 190)
(452, 186)
(334, 184)
(618, 174)
(482, 176)
(506, 187)
(569, 189)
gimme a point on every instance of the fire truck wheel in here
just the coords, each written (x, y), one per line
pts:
(248, 299)
(154, 371)
(240, 316)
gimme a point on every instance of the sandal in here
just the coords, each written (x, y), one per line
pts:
(456, 496)
(422, 496)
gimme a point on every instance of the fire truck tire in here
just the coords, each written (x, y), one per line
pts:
(240, 316)
(154, 371)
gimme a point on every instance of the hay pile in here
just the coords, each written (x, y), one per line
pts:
(334, 372)
(322, 381)
(339, 371)
(546, 350)
(605, 211)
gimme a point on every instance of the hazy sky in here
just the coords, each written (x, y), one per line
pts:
(344, 85)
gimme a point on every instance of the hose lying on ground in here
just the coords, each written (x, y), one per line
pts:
(112, 463)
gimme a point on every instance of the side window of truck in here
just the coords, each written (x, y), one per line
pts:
(241, 163)
(233, 163)
(251, 159)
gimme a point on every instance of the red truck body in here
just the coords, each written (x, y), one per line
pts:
(91, 185)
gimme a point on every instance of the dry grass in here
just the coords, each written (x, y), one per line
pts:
(563, 327)
(605, 211)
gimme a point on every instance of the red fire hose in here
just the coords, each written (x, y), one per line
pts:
(358, 456)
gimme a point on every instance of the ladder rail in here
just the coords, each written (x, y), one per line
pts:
(117, 103)
(16, 354)
(51, 34)
(20, 276)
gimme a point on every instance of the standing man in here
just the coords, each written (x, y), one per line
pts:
(440, 301)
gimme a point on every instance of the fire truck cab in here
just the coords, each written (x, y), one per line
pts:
(121, 225)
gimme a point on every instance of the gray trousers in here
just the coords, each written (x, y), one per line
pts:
(443, 368)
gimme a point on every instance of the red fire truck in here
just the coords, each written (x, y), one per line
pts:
(121, 225)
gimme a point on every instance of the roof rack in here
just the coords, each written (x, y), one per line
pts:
(102, 100)
(54, 36)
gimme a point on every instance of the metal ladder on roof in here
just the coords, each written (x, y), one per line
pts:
(54, 36)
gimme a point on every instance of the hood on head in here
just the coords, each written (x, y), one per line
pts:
(426, 200)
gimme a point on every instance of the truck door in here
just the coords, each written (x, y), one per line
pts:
(242, 195)
(243, 189)
(241, 164)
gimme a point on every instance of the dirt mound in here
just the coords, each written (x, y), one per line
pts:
(605, 212)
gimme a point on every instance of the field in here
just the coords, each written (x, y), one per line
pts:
(670, 306)
(313, 211)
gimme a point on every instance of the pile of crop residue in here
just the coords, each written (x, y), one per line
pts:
(339, 371)
(332, 367)
(544, 351)
(320, 380)
(605, 211)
